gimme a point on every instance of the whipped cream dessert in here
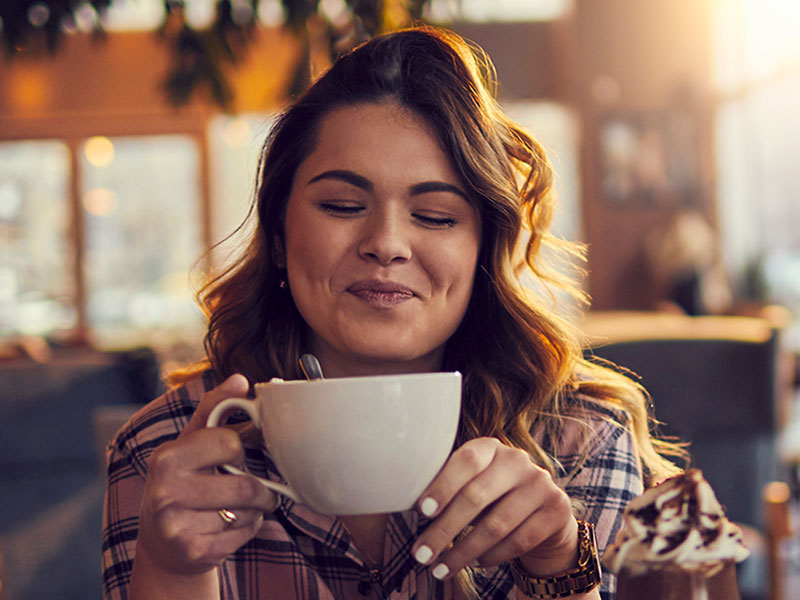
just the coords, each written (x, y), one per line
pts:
(676, 524)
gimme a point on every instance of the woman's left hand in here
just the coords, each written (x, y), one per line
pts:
(514, 506)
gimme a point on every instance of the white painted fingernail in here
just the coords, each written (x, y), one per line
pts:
(428, 506)
(440, 571)
(423, 555)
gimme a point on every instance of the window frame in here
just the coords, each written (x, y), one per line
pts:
(73, 131)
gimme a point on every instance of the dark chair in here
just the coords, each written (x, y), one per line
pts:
(50, 488)
(714, 384)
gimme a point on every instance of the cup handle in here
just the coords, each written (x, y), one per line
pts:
(249, 407)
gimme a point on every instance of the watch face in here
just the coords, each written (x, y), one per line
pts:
(591, 565)
(593, 556)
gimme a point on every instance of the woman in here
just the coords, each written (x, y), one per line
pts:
(390, 205)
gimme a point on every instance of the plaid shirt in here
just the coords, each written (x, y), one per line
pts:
(304, 555)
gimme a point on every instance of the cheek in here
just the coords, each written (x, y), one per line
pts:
(303, 247)
(314, 258)
(301, 255)
(455, 271)
(463, 258)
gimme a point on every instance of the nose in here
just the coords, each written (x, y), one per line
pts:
(385, 239)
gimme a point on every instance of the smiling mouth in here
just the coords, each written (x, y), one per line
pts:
(380, 293)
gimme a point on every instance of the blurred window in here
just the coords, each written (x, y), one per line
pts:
(124, 15)
(131, 15)
(757, 74)
(234, 148)
(142, 213)
(37, 287)
(149, 14)
(482, 11)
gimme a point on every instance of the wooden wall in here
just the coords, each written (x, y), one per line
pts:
(659, 54)
(113, 86)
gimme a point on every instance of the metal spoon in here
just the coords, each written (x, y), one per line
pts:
(310, 367)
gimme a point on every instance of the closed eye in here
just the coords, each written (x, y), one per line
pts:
(435, 222)
(339, 209)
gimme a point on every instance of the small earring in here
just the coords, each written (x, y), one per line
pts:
(282, 284)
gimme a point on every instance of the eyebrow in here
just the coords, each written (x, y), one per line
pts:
(359, 181)
(354, 179)
(427, 187)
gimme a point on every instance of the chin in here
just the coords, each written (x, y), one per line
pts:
(400, 359)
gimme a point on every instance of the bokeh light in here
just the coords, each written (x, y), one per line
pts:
(38, 14)
(86, 18)
(270, 13)
(236, 133)
(99, 151)
(100, 202)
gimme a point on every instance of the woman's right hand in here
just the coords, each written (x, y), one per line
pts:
(180, 528)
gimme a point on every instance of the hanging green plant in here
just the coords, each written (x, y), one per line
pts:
(28, 23)
(202, 57)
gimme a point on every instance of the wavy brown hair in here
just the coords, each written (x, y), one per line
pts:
(518, 358)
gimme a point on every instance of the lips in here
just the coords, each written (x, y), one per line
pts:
(380, 293)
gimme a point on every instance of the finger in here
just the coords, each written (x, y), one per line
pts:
(247, 524)
(179, 475)
(219, 546)
(490, 532)
(207, 492)
(469, 501)
(207, 447)
(186, 524)
(244, 518)
(209, 549)
(462, 466)
(235, 386)
(511, 528)
(511, 478)
(532, 534)
(545, 531)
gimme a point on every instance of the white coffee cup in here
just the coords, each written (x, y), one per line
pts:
(355, 445)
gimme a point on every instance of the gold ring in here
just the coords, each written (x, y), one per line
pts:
(228, 516)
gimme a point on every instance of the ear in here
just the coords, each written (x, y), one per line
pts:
(278, 252)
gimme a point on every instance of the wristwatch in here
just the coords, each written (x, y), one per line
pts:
(583, 578)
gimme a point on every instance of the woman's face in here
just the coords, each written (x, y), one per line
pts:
(381, 243)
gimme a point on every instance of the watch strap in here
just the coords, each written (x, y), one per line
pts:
(579, 580)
